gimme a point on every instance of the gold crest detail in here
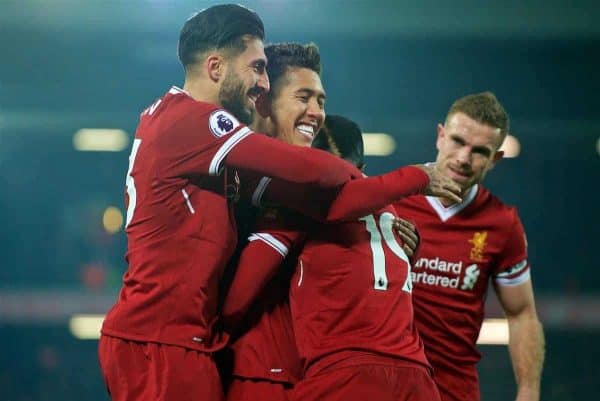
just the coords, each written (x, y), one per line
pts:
(479, 242)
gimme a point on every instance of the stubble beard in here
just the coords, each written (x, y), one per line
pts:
(232, 97)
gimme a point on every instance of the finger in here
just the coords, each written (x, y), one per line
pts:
(451, 196)
(409, 237)
(409, 240)
(405, 223)
(408, 250)
(407, 229)
(451, 186)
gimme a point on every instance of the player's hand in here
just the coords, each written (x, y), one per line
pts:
(409, 235)
(439, 184)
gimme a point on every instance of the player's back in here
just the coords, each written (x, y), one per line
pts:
(351, 294)
(180, 229)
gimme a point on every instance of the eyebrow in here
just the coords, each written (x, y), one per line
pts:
(482, 149)
(308, 91)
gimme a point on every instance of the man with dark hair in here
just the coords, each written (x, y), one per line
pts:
(157, 340)
(264, 360)
(465, 246)
(350, 298)
(263, 356)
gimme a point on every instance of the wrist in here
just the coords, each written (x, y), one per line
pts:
(416, 176)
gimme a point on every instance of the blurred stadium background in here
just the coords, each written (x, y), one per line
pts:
(393, 66)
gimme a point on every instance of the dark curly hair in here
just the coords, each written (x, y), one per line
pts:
(342, 137)
(282, 56)
(219, 27)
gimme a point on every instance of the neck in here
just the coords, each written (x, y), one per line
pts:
(201, 89)
(263, 125)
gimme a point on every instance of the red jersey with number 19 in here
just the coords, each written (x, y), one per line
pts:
(462, 248)
(351, 295)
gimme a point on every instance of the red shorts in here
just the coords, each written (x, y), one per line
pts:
(457, 386)
(368, 382)
(241, 389)
(148, 371)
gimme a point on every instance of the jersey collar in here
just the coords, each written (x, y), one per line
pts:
(176, 90)
(444, 212)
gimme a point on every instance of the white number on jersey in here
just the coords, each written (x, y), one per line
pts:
(131, 193)
(386, 221)
(152, 108)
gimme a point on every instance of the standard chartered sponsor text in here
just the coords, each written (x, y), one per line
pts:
(427, 271)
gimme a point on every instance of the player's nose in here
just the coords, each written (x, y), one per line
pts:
(316, 112)
(263, 82)
(463, 156)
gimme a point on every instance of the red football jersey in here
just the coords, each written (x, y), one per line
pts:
(266, 344)
(351, 293)
(265, 347)
(462, 248)
(179, 225)
(180, 228)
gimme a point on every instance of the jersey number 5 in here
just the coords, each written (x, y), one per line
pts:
(386, 221)
(129, 183)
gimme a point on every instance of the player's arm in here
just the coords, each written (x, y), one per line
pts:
(297, 165)
(258, 263)
(359, 197)
(526, 336)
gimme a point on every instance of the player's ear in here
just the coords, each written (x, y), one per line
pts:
(215, 66)
(263, 105)
(440, 135)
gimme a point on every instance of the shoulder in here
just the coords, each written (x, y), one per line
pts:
(505, 215)
(184, 109)
(493, 204)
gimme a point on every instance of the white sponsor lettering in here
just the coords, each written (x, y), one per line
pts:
(434, 279)
(427, 271)
(439, 265)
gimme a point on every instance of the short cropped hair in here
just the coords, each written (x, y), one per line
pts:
(218, 27)
(282, 56)
(341, 137)
(484, 108)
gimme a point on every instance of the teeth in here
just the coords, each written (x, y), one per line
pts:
(306, 129)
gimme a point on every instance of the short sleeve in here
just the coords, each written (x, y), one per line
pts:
(513, 267)
(199, 140)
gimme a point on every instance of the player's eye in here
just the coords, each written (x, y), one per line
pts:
(259, 68)
(482, 152)
(457, 141)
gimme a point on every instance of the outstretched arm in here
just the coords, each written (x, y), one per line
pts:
(358, 197)
(297, 165)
